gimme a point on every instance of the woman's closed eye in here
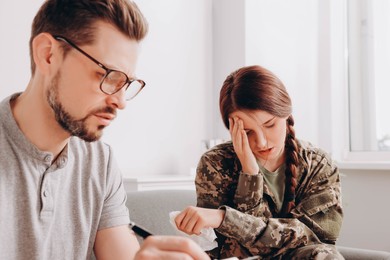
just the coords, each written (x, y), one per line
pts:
(270, 125)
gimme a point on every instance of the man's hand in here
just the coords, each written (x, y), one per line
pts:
(192, 219)
(170, 248)
(241, 146)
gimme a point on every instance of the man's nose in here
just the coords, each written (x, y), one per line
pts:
(118, 100)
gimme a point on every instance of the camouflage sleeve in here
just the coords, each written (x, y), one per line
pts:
(319, 206)
(256, 230)
(249, 193)
(214, 187)
(272, 237)
(316, 217)
(212, 183)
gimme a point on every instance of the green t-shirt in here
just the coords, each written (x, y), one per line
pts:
(276, 183)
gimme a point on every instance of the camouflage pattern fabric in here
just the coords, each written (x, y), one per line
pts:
(252, 223)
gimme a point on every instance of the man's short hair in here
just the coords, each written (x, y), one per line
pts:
(75, 20)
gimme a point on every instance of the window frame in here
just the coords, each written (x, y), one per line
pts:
(339, 96)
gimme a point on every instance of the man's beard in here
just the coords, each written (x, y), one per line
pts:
(67, 121)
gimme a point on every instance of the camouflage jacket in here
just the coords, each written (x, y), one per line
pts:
(251, 225)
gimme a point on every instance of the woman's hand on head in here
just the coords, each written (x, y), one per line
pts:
(242, 147)
(193, 219)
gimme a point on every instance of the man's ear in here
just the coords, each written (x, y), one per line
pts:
(43, 47)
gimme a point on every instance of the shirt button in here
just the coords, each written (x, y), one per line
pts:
(62, 163)
(47, 158)
(45, 193)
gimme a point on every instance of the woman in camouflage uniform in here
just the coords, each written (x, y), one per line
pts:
(265, 193)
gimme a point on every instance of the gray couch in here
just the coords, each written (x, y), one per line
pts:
(150, 209)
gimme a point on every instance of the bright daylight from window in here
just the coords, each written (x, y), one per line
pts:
(369, 70)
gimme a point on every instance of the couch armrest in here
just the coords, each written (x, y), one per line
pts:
(350, 253)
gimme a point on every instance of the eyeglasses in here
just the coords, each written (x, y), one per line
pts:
(113, 80)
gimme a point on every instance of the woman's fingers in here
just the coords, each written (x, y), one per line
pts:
(187, 219)
(245, 142)
(179, 218)
(242, 146)
(236, 134)
(231, 126)
(192, 219)
(198, 227)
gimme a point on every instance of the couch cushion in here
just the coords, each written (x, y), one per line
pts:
(150, 209)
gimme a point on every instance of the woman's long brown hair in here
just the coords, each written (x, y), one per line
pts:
(256, 88)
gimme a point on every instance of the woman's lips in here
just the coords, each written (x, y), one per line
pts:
(266, 152)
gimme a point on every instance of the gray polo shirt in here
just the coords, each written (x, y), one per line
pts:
(53, 210)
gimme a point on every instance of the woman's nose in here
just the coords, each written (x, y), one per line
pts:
(261, 140)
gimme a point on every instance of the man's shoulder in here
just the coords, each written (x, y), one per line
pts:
(7, 122)
(5, 105)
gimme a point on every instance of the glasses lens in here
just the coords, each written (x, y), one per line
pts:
(134, 88)
(114, 81)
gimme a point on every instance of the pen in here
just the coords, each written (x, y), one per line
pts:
(139, 230)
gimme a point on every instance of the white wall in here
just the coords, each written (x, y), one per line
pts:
(279, 35)
(229, 39)
(283, 37)
(15, 26)
(366, 196)
(161, 130)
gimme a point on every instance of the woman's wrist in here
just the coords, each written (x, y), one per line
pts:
(250, 171)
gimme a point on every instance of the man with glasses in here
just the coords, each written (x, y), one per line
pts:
(61, 192)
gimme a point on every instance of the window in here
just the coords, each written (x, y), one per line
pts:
(369, 75)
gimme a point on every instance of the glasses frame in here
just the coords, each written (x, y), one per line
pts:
(108, 70)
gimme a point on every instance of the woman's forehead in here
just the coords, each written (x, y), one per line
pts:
(258, 116)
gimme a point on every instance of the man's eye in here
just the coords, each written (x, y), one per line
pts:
(99, 75)
(270, 126)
